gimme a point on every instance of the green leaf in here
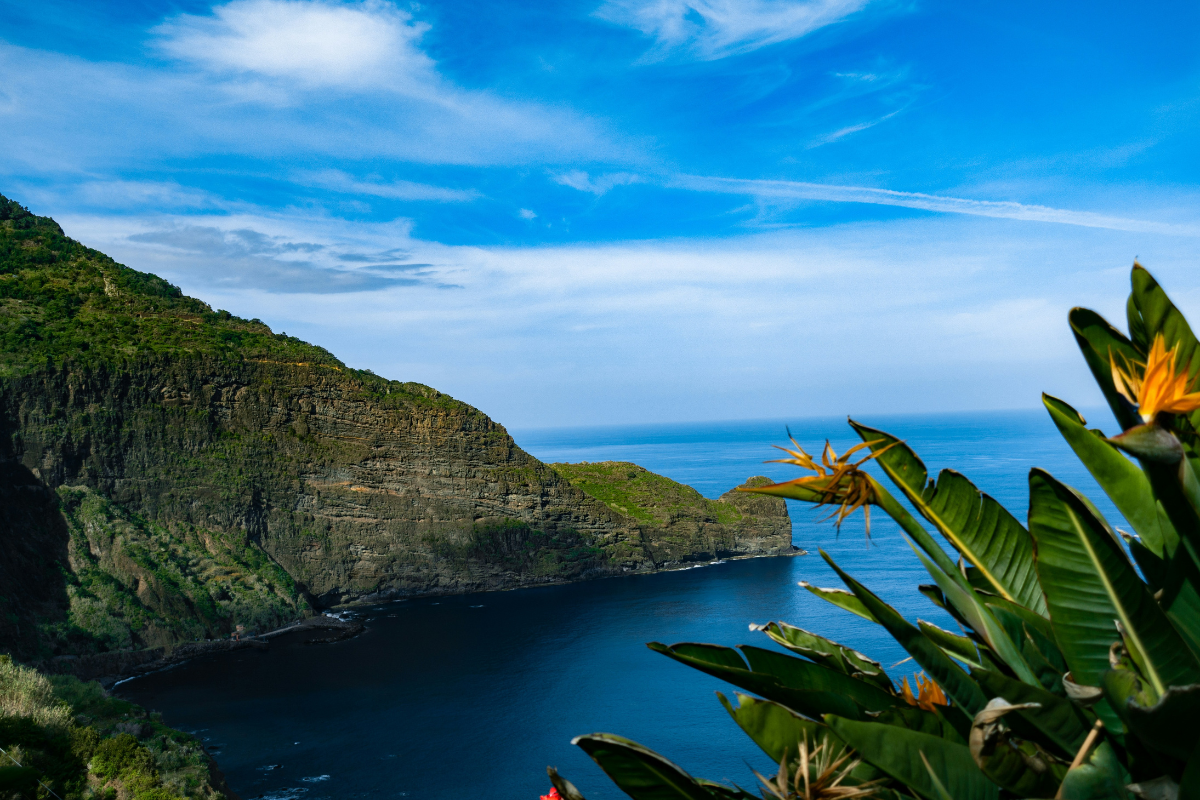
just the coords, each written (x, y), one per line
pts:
(1160, 316)
(1121, 479)
(1096, 340)
(1189, 784)
(779, 731)
(639, 771)
(1181, 599)
(935, 595)
(722, 662)
(940, 792)
(797, 673)
(1040, 626)
(828, 653)
(1137, 326)
(1090, 583)
(566, 789)
(1169, 726)
(976, 525)
(1058, 723)
(897, 752)
(776, 728)
(981, 621)
(840, 598)
(918, 719)
(1101, 777)
(952, 644)
(950, 676)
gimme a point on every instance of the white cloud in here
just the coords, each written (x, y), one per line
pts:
(65, 114)
(371, 44)
(712, 29)
(525, 213)
(912, 315)
(601, 184)
(789, 191)
(396, 190)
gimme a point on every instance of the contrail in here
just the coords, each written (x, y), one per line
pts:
(929, 202)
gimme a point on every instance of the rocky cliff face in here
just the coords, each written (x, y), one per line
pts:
(194, 471)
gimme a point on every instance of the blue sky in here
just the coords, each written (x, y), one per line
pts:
(631, 210)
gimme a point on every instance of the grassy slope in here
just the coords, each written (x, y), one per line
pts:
(82, 743)
(61, 301)
(647, 497)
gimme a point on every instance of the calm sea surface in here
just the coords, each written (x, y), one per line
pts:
(473, 696)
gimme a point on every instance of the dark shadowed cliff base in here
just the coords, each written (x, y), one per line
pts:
(170, 472)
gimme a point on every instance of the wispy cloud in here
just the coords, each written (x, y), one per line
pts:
(256, 254)
(340, 181)
(601, 184)
(842, 133)
(768, 190)
(712, 29)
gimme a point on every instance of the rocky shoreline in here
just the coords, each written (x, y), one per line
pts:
(114, 667)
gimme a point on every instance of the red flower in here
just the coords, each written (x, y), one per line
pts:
(554, 795)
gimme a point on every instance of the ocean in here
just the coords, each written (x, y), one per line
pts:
(473, 696)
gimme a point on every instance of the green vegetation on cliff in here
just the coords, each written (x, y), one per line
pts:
(649, 498)
(61, 301)
(133, 583)
(68, 737)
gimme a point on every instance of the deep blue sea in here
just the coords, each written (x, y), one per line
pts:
(474, 696)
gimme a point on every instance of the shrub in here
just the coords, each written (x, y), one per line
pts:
(25, 692)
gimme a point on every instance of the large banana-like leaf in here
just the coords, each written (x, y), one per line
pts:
(894, 509)
(777, 729)
(898, 752)
(1160, 316)
(953, 679)
(1100, 777)
(1098, 341)
(1090, 585)
(640, 772)
(981, 620)
(1189, 783)
(798, 673)
(810, 692)
(1169, 726)
(1137, 326)
(1057, 723)
(566, 789)
(935, 723)
(826, 652)
(840, 598)
(1181, 599)
(1121, 479)
(976, 525)
(952, 644)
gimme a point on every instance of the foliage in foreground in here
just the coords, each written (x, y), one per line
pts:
(62, 737)
(1079, 672)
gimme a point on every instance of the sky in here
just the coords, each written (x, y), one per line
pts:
(632, 211)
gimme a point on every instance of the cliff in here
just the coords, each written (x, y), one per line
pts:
(168, 472)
